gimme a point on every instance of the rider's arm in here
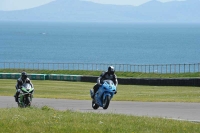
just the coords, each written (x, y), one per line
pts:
(29, 81)
(19, 84)
(116, 81)
(31, 84)
(100, 78)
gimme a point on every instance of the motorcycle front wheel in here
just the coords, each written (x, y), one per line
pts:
(28, 101)
(106, 102)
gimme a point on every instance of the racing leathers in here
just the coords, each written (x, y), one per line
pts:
(104, 76)
(19, 84)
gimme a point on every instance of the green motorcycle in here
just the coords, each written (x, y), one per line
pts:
(25, 96)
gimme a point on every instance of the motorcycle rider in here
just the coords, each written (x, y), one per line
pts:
(110, 74)
(23, 79)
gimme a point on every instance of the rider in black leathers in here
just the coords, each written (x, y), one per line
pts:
(23, 79)
(110, 74)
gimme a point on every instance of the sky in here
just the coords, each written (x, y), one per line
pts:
(9, 5)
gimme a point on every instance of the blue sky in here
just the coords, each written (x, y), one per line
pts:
(8, 5)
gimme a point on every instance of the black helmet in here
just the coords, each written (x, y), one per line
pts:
(23, 75)
(111, 70)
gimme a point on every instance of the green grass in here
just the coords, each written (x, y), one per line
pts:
(80, 90)
(47, 120)
(97, 73)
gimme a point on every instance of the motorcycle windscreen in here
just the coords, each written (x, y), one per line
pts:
(27, 86)
(110, 82)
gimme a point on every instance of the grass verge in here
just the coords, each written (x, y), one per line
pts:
(80, 91)
(45, 119)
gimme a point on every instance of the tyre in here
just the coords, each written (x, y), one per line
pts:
(26, 101)
(28, 104)
(23, 105)
(106, 102)
(94, 106)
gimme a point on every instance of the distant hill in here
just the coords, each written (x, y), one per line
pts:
(85, 11)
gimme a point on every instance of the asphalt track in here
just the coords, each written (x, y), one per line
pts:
(168, 110)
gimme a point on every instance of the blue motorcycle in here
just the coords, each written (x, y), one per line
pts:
(104, 94)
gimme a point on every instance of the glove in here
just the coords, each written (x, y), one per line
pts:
(115, 92)
(100, 84)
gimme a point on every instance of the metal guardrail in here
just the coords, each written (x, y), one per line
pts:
(159, 68)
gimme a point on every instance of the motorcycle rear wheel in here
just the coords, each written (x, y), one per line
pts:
(94, 105)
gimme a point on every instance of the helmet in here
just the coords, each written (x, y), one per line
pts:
(23, 75)
(111, 70)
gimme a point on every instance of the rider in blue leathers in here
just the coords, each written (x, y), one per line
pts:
(110, 74)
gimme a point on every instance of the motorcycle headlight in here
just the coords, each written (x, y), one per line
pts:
(24, 91)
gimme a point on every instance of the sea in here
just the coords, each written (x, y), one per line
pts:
(116, 43)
